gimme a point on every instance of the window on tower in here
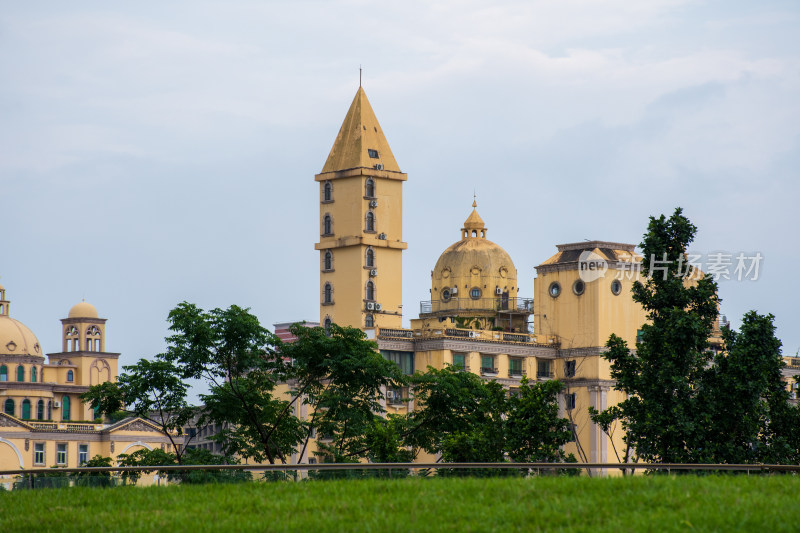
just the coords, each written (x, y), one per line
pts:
(369, 321)
(370, 259)
(370, 295)
(328, 261)
(369, 188)
(327, 192)
(327, 296)
(373, 153)
(370, 224)
(327, 225)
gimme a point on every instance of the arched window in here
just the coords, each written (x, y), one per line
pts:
(26, 409)
(70, 375)
(3, 373)
(369, 321)
(370, 225)
(370, 257)
(8, 408)
(33, 374)
(20, 373)
(370, 291)
(327, 225)
(328, 294)
(65, 408)
(327, 194)
(327, 323)
(328, 264)
(369, 188)
(40, 410)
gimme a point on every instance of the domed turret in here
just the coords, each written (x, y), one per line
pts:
(83, 310)
(474, 277)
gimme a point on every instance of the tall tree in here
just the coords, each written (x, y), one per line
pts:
(340, 376)
(152, 390)
(686, 403)
(660, 414)
(236, 356)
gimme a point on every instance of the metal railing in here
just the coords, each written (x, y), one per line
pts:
(519, 305)
(417, 466)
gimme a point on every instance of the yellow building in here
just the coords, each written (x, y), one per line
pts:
(43, 421)
(361, 225)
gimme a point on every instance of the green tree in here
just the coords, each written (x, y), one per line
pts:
(95, 479)
(534, 431)
(236, 356)
(340, 376)
(152, 390)
(750, 418)
(685, 402)
(660, 414)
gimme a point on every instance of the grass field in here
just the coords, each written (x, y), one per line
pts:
(658, 503)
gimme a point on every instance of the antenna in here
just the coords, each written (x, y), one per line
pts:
(359, 75)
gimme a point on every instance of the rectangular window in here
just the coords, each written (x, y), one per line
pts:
(405, 360)
(487, 364)
(83, 454)
(569, 369)
(38, 453)
(61, 454)
(569, 401)
(312, 460)
(515, 366)
(372, 153)
(460, 361)
(544, 369)
(639, 336)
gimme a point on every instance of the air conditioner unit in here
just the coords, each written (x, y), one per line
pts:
(379, 167)
(454, 290)
(56, 404)
(378, 307)
(370, 306)
(382, 236)
(498, 291)
(373, 272)
(474, 334)
(373, 203)
(389, 394)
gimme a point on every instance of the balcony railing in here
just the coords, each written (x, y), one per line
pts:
(513, 305)
(460, 333)
(488, 370)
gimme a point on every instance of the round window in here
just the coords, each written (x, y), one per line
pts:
(475, 293)
(616, 286)
(446, 295)
(555, 289)
(578, 287)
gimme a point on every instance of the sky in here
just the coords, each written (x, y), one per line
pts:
(159, 152)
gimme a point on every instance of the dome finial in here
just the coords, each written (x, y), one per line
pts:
(474, 199)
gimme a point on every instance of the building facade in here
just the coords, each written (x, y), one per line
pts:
(43, 422)
(476, 320)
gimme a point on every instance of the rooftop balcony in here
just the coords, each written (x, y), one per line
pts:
(497, 304)
(458, 333)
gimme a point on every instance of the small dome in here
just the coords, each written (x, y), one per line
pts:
(83, 310)
(17, 339)
(474, 265)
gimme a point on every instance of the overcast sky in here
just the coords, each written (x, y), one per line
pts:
(155, 152)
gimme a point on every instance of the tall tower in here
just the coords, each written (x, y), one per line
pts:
(361, 225)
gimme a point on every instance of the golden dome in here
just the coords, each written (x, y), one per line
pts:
(83, 310)
(17, 339)
(473, 263)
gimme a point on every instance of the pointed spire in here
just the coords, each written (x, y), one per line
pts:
(360, 142)
(474, 225)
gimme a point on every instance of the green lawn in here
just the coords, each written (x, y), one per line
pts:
(659, 503)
